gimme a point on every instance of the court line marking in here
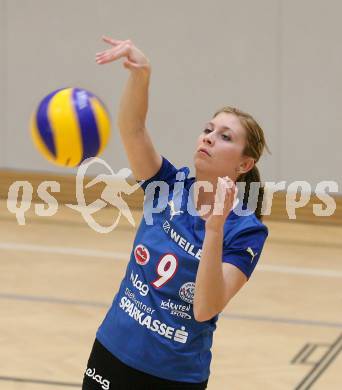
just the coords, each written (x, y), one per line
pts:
(321, 365)
(63, 250)
(53, 300)
(291, 321)
(125, 256)
(57, 222)
(299, 270)
(290, 241)
(38, 381)
(300, 353)
(228, 316)
(124, 226)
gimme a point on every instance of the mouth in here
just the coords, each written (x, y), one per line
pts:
(203, 151)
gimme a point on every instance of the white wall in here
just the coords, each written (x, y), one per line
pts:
(278, 60)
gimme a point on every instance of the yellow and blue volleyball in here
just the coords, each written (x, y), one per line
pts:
(69, 126)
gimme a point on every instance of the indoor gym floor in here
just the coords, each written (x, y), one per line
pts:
(57, 278)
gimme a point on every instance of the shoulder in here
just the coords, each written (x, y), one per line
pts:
(244, 240)
(246, 225)
(168, 173)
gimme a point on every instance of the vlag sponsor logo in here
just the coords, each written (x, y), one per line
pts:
(91, 373)
(139, 285)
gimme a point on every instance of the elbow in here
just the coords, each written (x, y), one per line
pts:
(198, 312)
(199, 316)
(202, 314)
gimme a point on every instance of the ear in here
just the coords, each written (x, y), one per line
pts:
(247, 164)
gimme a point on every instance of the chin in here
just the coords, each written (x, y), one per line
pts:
(202, 166)
(198, 162)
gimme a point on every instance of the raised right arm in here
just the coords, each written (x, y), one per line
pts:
(144, 160)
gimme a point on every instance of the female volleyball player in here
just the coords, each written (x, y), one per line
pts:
(192, 252)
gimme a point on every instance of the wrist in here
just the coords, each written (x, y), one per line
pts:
(214, 227)
(143, 73)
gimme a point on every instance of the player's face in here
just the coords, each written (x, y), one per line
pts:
(224, 138)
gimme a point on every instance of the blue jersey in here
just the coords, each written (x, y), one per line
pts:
(150, 325)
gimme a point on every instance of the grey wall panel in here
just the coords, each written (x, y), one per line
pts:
(203, 55)
(311, 115)
(3, 84)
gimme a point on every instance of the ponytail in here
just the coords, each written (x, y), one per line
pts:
(255, 145)
(253, 176)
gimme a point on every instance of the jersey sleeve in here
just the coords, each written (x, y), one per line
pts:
(245, 248)
(167, 173)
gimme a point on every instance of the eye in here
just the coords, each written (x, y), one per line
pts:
(206, 131)
(226, 137)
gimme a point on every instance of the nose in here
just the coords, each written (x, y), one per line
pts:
(209, 138)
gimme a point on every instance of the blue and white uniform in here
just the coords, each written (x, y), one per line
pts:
(150, 325)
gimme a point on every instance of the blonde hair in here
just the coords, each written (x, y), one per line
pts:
(255, 145)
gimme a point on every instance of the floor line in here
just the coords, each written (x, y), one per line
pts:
(306, 271)
(10, 246)
(228, 316)
(38, 381)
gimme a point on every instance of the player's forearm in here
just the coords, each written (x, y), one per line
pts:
(209, 286)
(134, 102)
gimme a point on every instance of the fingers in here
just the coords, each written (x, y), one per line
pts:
(121, 50)
(220, 196)
(231, 189)
(103, 57)
(225, 195)
(118, 50)
(227, 185)
(113, 42)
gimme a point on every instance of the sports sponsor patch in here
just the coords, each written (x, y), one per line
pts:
(154, 325)
(187, 292)
(141, 254)
(176, 309)
(139, 285)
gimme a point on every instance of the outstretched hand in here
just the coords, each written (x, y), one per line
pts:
(226, 193)
(135, 58)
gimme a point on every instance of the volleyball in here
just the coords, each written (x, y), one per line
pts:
(69, 126)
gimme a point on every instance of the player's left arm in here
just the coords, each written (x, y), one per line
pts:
(223, 271)
(216, 282)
